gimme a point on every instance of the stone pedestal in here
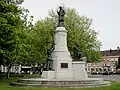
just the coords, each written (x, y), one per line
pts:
(62, 61)
(48, 75)
(79, 71)
(63, 66)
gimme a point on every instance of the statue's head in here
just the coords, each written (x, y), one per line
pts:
(60, 7)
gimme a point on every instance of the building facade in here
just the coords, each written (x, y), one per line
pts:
(109, 63)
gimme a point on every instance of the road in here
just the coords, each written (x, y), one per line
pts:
(108, 77)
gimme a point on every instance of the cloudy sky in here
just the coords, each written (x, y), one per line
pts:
(105, 15)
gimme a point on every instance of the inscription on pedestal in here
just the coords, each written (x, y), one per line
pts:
(64, 65)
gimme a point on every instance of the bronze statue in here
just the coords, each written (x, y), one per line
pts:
(61, 14)
(48, 63)
(77, 55)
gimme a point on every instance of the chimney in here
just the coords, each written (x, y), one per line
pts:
(118, 48)
(110, 50)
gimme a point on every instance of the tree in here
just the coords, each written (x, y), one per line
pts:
(12, 31)
(79, 28)
(40, 40)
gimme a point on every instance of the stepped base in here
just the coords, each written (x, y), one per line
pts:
(44, 83)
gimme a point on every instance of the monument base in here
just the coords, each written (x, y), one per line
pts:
(79, 70)
(70, 83)
(78, 79)
(48, 75)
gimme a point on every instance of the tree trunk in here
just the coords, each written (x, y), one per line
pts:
(8, 72)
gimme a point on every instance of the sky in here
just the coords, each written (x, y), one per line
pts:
(104, 13)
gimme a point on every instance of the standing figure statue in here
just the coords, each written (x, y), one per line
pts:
(48, 62)
(77, 55)
(61, 14)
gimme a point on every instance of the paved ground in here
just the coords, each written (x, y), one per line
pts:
(108, 77)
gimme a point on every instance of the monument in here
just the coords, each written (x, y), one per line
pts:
(60, 69)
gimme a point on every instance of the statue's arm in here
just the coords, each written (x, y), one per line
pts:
(58, 13)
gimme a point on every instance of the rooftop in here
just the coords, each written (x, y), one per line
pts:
(111, 52)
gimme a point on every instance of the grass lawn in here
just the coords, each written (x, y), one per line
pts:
(4, 85)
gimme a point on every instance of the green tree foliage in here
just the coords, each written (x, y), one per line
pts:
(40, 40)
(12, 31)
(79, 30)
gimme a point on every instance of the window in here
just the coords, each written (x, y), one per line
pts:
(64, 65)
